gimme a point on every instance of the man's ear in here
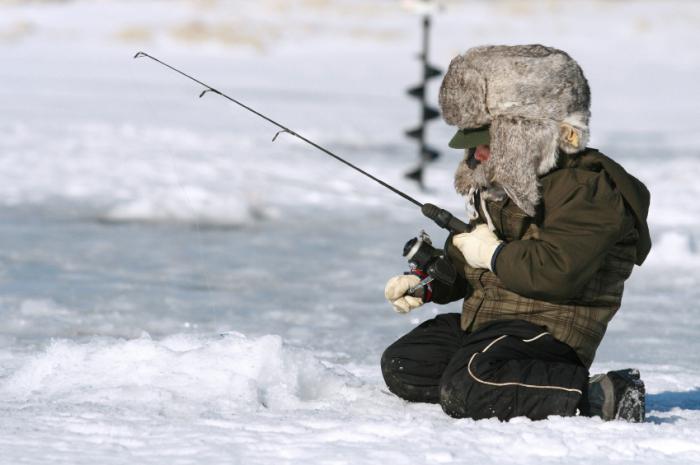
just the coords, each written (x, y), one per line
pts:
(573, 134)
(569, 136)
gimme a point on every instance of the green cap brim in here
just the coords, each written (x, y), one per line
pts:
(468, 138)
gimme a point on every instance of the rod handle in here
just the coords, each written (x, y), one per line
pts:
(445, 219)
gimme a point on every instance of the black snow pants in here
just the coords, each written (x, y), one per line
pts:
(506, 369)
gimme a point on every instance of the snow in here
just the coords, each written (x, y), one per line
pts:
(194, 397)
(176, 288)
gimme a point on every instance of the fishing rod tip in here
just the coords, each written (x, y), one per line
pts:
(139, 55)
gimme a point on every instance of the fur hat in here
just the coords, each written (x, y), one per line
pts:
(536, 101)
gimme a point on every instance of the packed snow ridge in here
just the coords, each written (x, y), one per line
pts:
(230, 373)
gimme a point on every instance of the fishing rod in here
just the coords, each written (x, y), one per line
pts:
(419, 250)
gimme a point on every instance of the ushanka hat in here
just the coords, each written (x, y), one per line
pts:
(527, 102)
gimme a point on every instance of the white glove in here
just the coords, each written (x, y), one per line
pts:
(477, 246)
(395, 293)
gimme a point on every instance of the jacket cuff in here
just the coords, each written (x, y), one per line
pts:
(495, 256)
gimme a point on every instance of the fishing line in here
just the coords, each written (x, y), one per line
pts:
(171, 160)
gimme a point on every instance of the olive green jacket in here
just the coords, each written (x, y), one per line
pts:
(564, 268)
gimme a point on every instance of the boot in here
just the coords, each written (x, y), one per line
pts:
(617, 395)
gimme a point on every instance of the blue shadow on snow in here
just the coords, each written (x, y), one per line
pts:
(665, 401)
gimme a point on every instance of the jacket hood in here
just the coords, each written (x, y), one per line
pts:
(634, 192)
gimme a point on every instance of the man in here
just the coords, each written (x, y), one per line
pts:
(559, 227)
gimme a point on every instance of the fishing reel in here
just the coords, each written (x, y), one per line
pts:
(434, 262)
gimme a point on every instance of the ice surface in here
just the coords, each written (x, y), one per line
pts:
(176, 288)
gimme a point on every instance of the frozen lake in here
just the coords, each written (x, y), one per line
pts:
(176, 288)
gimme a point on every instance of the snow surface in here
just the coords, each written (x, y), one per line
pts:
(176, 288)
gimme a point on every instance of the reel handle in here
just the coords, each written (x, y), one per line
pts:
(445, 219)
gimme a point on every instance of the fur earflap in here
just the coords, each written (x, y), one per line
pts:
(521, 150)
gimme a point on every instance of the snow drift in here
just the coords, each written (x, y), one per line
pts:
(226, 374)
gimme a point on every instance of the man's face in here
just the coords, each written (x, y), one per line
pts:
(476, 155)
(482, 153)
